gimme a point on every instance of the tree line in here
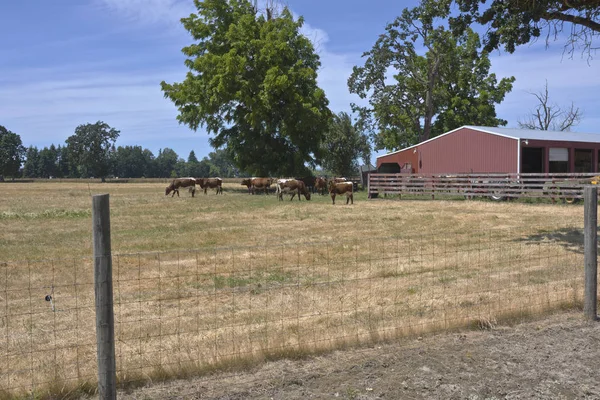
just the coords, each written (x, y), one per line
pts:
(91, 152)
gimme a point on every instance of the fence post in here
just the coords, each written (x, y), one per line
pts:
(591, 252)
(103, 287)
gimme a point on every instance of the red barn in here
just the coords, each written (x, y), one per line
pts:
(481, 149)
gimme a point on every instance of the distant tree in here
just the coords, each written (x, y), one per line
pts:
(253, 84)
(130, 162)
(31, 168)
(165, 163)
(548, 116)
(91, 147)
(192, 157)
(62, 162)
(181, 168)
(222, 164)
(343, 146)
(48, 162)
(447, 86)
(150, 170)
(11, 153)
(513, 23)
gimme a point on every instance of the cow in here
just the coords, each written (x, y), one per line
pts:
(292, 186)
(181, 183)
(206, 183)
(341, 188)
(261, 184)
(309, 182)
(248, 183)
(321, 185)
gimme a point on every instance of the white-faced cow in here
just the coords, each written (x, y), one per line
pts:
(341, 188)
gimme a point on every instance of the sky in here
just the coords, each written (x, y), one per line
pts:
(69, 62)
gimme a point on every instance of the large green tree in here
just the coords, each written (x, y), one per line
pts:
(253, 84)
(516, 22)
(422, 80)
(343, 146)
(11, 153)
(90, 148)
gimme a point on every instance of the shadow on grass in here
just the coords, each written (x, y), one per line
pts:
(569, 238)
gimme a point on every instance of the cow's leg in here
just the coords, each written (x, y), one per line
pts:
(333, 198)
(193, 191)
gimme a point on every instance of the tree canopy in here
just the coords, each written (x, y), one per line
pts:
(513, 23)
(343, 146)
(91, 147)
(11, 153)
(421, 80)
(253, 84)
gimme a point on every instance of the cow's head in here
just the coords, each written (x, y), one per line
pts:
(168, 190)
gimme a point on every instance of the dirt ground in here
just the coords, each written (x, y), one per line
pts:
(556, 357)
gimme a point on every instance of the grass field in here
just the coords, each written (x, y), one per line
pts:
(222, 281)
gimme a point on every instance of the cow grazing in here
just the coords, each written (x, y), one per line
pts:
(181, 183)
(261, 184)
(321, 185)
(341, 188)
(292, 186)
(212, 183)
(309, 182)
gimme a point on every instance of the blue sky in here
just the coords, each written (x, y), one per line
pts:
(68, 62)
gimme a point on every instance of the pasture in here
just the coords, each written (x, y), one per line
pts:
(223, 281)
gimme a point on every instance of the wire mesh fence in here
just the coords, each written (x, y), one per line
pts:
(187, 312)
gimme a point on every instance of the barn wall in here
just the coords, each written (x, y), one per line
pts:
(401, 158)
(466, 151)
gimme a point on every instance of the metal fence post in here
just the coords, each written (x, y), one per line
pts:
(103, 287)
(591, 252)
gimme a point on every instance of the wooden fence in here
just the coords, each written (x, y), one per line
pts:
(564, 187)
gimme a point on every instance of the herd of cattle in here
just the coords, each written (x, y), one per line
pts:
(299, 186)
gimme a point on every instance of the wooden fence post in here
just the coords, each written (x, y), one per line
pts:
(591, 252)
(103, 287)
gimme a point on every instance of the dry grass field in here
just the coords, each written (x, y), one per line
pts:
(217, 282)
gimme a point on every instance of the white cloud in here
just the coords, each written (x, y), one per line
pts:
(149, 12)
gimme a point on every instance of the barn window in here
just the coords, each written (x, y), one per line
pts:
(583, 160)
(559, 160)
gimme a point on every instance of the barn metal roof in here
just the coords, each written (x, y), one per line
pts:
(514, 133)
(539, 135)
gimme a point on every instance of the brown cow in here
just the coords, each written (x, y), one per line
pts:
(206, 183)
(179, 183)
(321, 185)
(261, 184)
(341, 188)
(292, 186)
(248, 183)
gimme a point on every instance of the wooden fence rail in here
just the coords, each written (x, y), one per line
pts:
(564, 187)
